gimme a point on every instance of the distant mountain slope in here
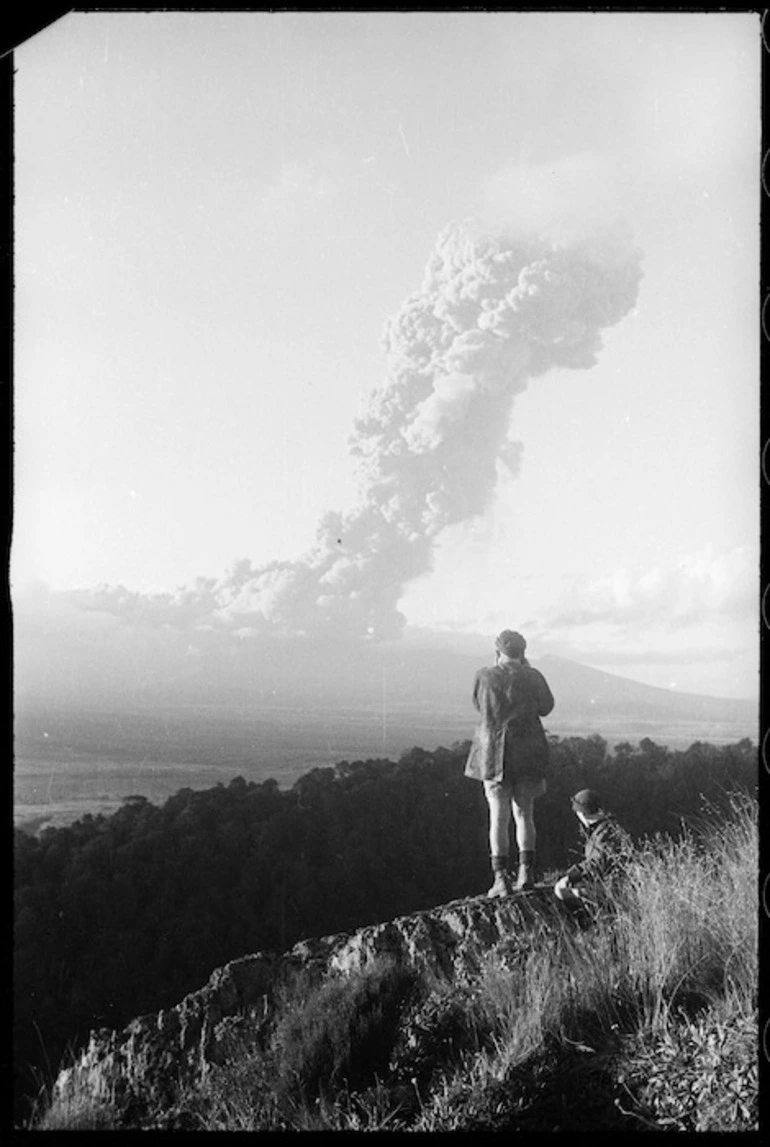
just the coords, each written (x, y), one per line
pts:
(584, 690)
(402, 679)
(398, 678)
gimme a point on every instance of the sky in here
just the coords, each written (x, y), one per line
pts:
(370, 323)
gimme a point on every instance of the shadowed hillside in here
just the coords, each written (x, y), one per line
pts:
(417, 672)
(127, 913)
(479, 1015)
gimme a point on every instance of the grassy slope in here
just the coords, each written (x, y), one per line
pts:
(643, 1019)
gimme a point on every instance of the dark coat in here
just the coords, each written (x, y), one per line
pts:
(509, 737)
(607, 847)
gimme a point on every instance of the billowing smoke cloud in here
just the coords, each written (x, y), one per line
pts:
(493, 312)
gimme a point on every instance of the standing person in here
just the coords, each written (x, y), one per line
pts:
(606, 848)
(509, 754)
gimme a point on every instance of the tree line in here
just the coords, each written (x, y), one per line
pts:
(120, 915)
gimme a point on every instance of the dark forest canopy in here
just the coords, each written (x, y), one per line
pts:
(120, 915)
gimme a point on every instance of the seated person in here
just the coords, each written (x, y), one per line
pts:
(606, 847)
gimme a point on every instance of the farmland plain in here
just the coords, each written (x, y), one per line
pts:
(73, 761)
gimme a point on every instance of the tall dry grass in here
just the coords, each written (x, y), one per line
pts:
(681, 935)
(673, 962)
(688, 923)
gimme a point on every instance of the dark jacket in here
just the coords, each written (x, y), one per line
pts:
(509, 737)
(606, 849)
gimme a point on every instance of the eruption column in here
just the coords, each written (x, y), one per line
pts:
(493, 312)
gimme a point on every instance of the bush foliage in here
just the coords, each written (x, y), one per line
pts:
(341, 1034)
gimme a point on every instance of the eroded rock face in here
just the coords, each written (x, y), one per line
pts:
(144, 1065)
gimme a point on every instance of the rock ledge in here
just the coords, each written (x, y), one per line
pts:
(156, 1054)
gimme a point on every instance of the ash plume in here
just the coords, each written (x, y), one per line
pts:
(494, 311)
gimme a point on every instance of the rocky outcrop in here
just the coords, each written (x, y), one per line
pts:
(145, 1065)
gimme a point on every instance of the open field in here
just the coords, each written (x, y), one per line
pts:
(69, 764)
(72, 762)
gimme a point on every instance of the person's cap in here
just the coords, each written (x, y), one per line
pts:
(587, 801)
(510, 643)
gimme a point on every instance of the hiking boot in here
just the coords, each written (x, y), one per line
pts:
(526, 875)
(503, 885)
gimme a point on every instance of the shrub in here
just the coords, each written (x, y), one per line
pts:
(342, 1032)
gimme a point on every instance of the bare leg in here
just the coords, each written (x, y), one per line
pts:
(499, 796)
(523, 798)
(525, 793)
(499, 799)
